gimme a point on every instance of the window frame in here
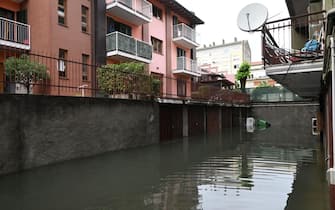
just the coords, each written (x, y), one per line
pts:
(62, 8)
(157, 45)
(85, 67)
(85, 16)
(181, 88)
(62, 62)
(114, 26)
(157, 12)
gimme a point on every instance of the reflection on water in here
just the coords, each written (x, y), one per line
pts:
(264, 170)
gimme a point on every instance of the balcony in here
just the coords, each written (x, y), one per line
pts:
(184, 36)
(124, 47)
(186, 66)
(289, 59)
(137, 12)
(14, 34)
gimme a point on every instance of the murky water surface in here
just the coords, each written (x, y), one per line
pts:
(267, 170)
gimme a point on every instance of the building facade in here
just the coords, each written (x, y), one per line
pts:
(158, 33)
(258, 76)
(311, 74)
(224, 58)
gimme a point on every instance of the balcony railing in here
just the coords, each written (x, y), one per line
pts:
(135, 11)
(187, 66)
(119, 44)
(285, 40)
(14, 34)
(184, 35)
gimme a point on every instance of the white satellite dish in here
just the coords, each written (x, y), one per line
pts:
(252, 17)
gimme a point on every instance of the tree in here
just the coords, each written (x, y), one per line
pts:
(24, 71)
(243, 73)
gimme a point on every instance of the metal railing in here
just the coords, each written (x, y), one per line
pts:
(90, 80)
(142, 7)
(183, 30)
(273, 94)
(117, 41)
(13, 31)
(286, 40)
(187, 64)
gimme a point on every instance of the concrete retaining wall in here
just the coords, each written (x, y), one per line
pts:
(292, 123)
(40, 130)
(287, 114)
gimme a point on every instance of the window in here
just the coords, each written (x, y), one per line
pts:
(175, 20)
(180, 52)
(84, 19)
(181, 58)
(157, 45)
(62, 12)
(181, 88)
(21, 16)
(85, 67)
(7, 14)
(116, 26)
(62, 62)
(156, 12)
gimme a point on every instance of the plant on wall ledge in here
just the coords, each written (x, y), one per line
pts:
(242, 74)
(126, 78)
(24, 71)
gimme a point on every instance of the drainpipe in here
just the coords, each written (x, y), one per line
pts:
(331, 170)
(332, 56)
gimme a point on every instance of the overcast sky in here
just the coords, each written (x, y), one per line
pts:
(220, 19)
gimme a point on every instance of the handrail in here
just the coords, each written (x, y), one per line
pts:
(144, 7)
(296, 17)
(281, 45)
(188, 64)
(134, 48)
(13, 31)
(185, 31)
(13, 21)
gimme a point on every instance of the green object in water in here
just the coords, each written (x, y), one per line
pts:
(262, 124)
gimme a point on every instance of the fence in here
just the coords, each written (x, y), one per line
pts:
(50, 75)
(285, 40)
(273, 94)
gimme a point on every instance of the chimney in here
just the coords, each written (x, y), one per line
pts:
(235, 39)
(223, 41)
(213, 44)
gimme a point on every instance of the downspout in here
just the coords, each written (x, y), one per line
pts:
(332, 56)
(331, 170)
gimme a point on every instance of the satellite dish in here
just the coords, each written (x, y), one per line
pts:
(252, 17)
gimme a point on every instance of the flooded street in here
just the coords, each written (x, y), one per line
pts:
(266, 170)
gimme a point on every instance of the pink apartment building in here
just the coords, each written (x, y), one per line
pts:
(163, 26)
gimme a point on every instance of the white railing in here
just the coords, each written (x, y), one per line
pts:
(142, 7)
(15, 32)
(183, 30)
(117, 41)
(187, 64)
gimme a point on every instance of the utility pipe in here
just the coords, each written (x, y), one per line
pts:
(332, 45)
